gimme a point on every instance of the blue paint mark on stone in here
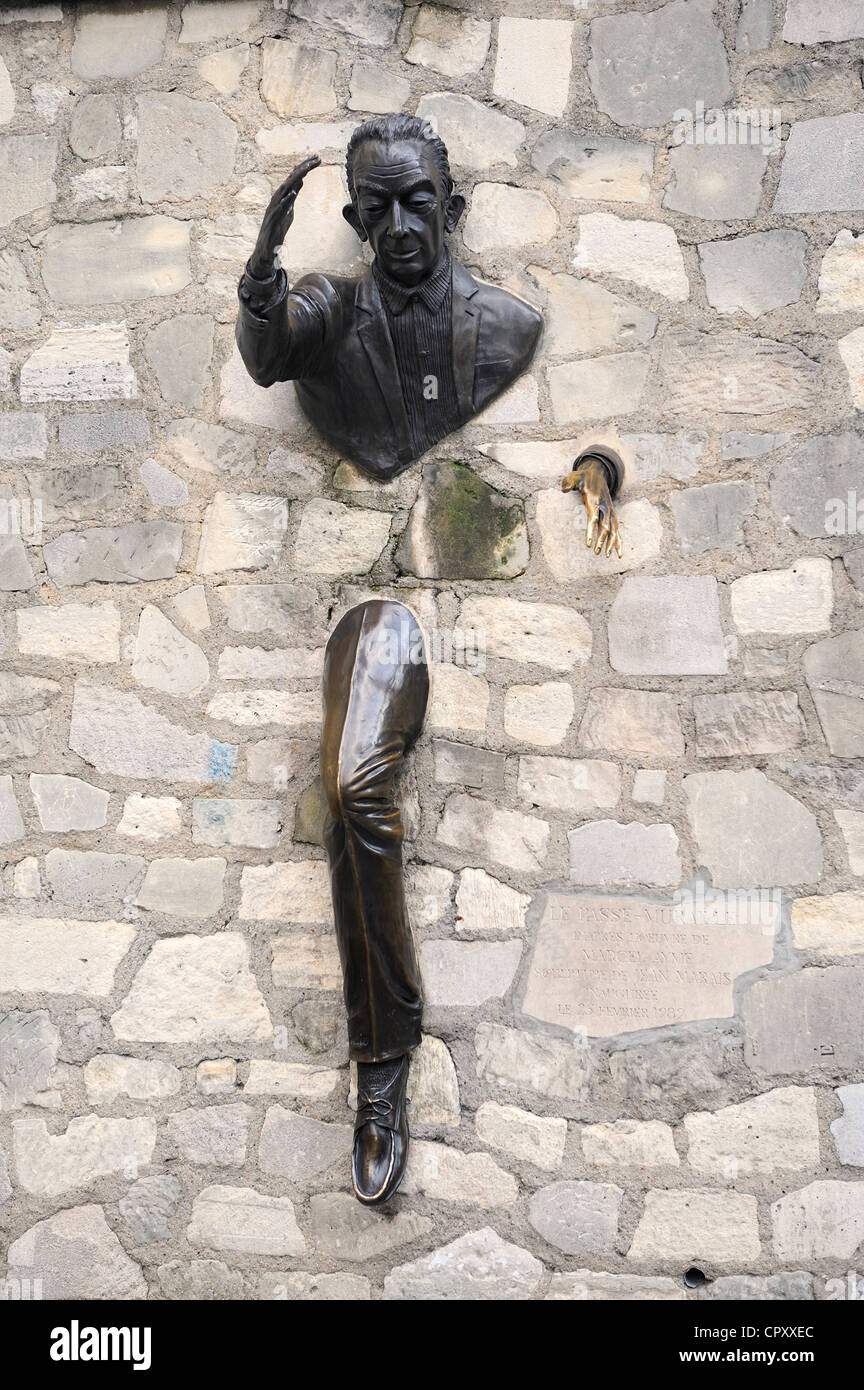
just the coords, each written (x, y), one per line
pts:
(221, 761)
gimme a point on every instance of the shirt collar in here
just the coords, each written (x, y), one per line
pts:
(431, 292)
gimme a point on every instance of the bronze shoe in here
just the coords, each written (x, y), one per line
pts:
(380, 1130)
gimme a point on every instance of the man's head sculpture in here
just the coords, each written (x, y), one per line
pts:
(402, 198)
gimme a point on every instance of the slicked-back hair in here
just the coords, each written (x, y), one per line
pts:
(390, 129)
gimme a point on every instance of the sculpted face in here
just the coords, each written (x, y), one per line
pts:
(401, 207)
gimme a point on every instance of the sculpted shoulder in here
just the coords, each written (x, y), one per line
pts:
(508, 318)
(327, 287)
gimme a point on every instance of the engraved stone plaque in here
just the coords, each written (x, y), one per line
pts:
(603, 966)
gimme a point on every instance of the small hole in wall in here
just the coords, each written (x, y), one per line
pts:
(694, 1276)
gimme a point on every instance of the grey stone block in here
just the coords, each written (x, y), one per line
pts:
(823, 165)
(810, 488)
(667, 625)
(750, 833)
(103, 429)
(808, 1022)
(646, 67)
(754, 273)
(721, 183)
(141, 550)
(835, 674)
(149, 1208)
(470, 766)
(710, 517)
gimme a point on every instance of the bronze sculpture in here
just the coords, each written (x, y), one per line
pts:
(388, 364)
(385, 366)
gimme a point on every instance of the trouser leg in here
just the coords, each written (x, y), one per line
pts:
(376, 686)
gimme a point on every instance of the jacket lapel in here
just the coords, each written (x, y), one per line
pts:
(375, 336)
(466, 326)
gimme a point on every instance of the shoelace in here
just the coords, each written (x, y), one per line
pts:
(375, 1106)
(376, 1099)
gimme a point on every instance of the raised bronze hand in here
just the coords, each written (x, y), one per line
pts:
(590, 478)
(277, 219)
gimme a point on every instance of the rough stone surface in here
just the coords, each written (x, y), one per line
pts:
(524, 1136)
(461, 528)
(76, 1255)
(775, 1131)
(736, 374)
(185, 147)
(26, 175)
(607, 854)
(477, 1267)
(645, 253)
(506, 837)
(848, 1131)
(294, 1146)
(691, 1226)
(149, 1208)
(829, 926)
(344, 1230)
(750, 832)
(532, 67)
(831, 465)
(824, 1220)
(747, 722)
(92, 1147)
(448, 1175)
(841, 277)
(194, 989)
(668, 625)
(29, 1044)
(629, 1144)
(538, 633)
(580, 1218)
(500, 212)
(821, 169)
(754, 273)
(831, 1044)
(451, 43)
(241, 1219)
(538, 714)
(645, 67)
(62, 956)
(179, 351)
(475, 136)
(297, 79)
(632, 721)
(718, 183)
(566, 784)
(834, 669)
(467, 973)
(590, 166)
(799, 599)
(90, 363)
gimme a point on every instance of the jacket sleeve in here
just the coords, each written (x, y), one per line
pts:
(613, 465)
(289, 333)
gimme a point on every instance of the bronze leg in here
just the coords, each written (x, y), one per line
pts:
(376, 686)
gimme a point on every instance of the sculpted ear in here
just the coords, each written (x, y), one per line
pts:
(453, 211)
(352, 217)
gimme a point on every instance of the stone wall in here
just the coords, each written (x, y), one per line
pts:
(609, 1091)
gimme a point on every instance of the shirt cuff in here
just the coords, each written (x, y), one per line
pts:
(613, 466)
(260, 292)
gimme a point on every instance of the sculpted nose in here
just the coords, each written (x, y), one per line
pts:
(397, 228)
